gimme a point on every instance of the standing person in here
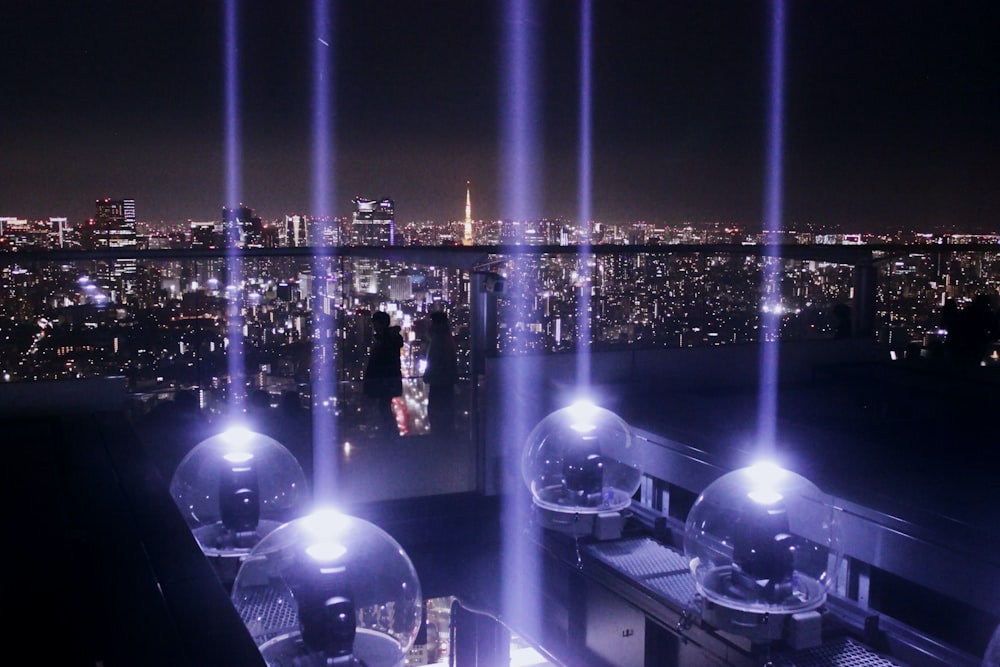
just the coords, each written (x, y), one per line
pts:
(842, 316)
(975, 327)
(384, 375)
(440, 375)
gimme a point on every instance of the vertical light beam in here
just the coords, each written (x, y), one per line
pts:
(324, 344)
(519, 175)
(232, 102)
(519, 116)
(234, 185)
(584, 193)
(772, 265)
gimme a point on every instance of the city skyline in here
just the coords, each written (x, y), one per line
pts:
(888, 110)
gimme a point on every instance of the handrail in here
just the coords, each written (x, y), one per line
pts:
(915, 553)
(472, 257)
(459, 604)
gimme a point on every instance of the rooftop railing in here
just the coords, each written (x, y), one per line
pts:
(688, 317)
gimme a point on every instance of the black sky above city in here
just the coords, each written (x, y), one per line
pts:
(892, 111)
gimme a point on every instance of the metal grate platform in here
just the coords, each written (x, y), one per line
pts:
(662, 570)
(842, 652)
(267, 614)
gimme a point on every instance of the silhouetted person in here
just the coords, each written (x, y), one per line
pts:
(842, 317)
(440, 375)
(384, 375)
(937, 344)
(975, 327)
(949, 315)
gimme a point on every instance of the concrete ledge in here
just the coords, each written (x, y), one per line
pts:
(86, 395)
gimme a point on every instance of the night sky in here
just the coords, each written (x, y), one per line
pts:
(892, 109)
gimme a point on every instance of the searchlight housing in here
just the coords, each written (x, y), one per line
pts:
(233, 489)
(329, 590)
(764, 547)
(582, 468)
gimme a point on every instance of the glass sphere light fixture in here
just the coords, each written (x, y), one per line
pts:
(581, 465)
(329, 589)
(235, 487)
(764, 544)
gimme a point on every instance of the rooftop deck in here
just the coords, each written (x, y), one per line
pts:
(904, 445)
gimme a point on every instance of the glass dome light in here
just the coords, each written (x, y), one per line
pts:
(992, 656)
(329, 589)
(235, 487)
(581, 459)
(763, 540)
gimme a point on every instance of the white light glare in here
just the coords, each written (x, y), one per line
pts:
(766, 472)
(237, 437)
(777, 308)
(582, 413)
(325, 524)
(765, 496)
(326, 552)
(238, 457)
(765, 476)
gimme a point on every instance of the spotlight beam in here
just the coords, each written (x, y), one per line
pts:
(234, 177)
(324, 349)
(584, 194)
(519, 169)
(771, 266)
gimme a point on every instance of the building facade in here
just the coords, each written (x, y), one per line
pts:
(374, 222)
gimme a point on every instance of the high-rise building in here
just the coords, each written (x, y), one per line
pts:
(328, 231)
(22, 233)
(243, 227)
(374, 222)
(206, 234)
(296, 231)
(401, 287)
(113, 226)
(7, 224)
(58, 231)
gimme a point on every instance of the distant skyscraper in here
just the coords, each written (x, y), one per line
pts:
(243, 226)
(8, 224)
(206, 234)
(467, 239)
(58, 229)
(296, 231)
(374, 222)
(401, 287)
(114, 227)
(114, 224)
(21, 233)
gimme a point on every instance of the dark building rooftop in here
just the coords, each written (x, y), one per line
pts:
(903, 445)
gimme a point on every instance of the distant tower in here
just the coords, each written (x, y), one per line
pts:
(467, 239)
